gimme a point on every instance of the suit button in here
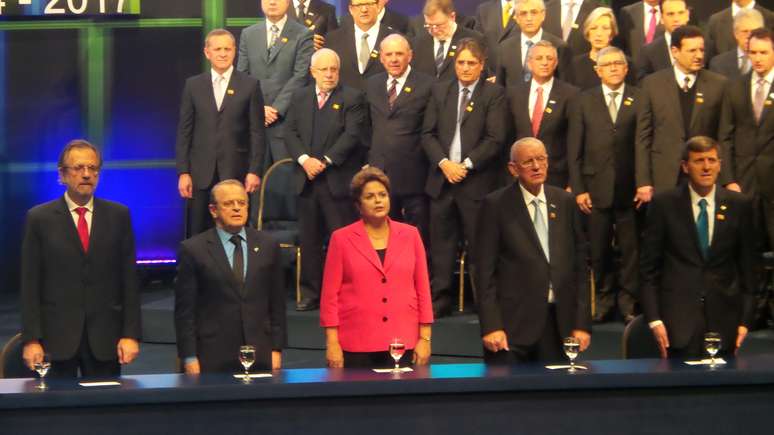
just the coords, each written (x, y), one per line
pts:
(384, 300)
(384, 280)
(384, 319)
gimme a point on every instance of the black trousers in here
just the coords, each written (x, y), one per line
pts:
(85, 362)
(547, 349)
(413, 209)
(319, 214)
(605, 225)
(376, 360)
(454, 219)
(765, 206)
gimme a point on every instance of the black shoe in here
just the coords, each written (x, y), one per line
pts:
(307, 305)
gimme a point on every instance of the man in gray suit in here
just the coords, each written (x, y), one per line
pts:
(277, 52)
(735, 62)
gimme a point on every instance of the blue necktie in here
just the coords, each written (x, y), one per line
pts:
(702, 228)
(525, 68)
(540, 227)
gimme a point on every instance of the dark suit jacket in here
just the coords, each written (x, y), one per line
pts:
(726, 64)
(397, 21)
(720, 30)
(342, 41)
(553, 24)
(320, 17)
(513, 274)
(483, 135)
(66, 293)
(231, 140)
(553, 127)
(510, 71)
(396, 135)
(747, 147)
(631, 28)
(653, 57)
(701, 10)
(214, 314)
(288, 67)
(342, 126)
(675, 276)
(417, 25)
(489, 22)
(660, 129)
(424, 55)
(584, 76)
(600, 152)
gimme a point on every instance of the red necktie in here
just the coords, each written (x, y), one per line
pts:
(537, 112)
(83, 228)
(651, 27)
(323, 97)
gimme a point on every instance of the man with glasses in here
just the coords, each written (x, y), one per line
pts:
(530, 265)
(721, 29)
(436, 48)
(386, 16)
(603, 122)
(80, 299)
(735, 62)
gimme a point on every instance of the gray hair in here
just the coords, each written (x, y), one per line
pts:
(598, 13)
(543, 43)
(517, 3)
(523, 142)
(611, 49)
(218, 32)
(322, 52)
(394, 37)
(748, 14)
(215, 188)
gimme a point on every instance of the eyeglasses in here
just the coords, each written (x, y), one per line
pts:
(618, 63)
(234, 202)
(83, 168)
(367, 4)
(435, 26)
(533, 12)
(540, 160)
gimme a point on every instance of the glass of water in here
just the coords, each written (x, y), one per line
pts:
(41, 368)
(712, 343)
(571, 349)
(397, 349)
(247, 359)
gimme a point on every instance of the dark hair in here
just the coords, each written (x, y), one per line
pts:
(761, 33)
(700, 144)
(77, 143)
(685, 32)
(661, 4)
(365, 176)
(230, 182)
(475, 48)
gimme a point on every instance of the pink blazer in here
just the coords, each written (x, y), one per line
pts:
(372, 304)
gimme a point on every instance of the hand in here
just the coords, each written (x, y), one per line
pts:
(32, 354)
(252, 182)
(496, 341)
(185, 186)
(127, 349)
(334, 355)
(454, 172)
(492, 79)
(319, 41)
(660, 333)
(644, 195)
(741, 334)
(192, 368)
(584, 202)
(421, 352)
(584, 338)
(313, 167)
(270, 115)
(276, 360)
(734, 186)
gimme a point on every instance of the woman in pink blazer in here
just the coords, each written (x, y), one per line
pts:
(375, 284)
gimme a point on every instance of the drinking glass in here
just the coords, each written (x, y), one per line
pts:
(397, 349)
(571, 349)
(247, 358)
(42, 369)
(712, 342)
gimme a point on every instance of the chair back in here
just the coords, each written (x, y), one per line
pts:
(11, 362)
(638, 340)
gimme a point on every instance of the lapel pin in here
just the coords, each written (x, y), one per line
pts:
(454, 47)
(551, 101)
(374, 54)
(552, 215)
(312, 27)
(407, 89)
(574, 25)
(767, 103)
(723, 207)
(308, 22)
(336, 106)
(284, 40)
(256, 249)
(721, 217)
(451, 54)
(230, 92)
(699, 100)
(549, 110)
(469, 108)
(552, 205)
(699, 94)
(627, 103)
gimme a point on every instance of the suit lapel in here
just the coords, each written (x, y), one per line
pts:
(523, 219)
(451, 54)
(361, 243)
(498, 18)
(284, 37)
(70, 229)
(228, 95)
(672, 93)
(405, 92)
(552, 106)
(721, 210)
(218, 254)
(373, 57)
(553, 224)
(329, 111)
(626, 105)
(601, 103)
(98, 230)
(263, 41)
(471, 107)
(685, 214)
(698, 102)
(253, 253)
(395, 246)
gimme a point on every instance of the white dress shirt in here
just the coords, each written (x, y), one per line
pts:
(575, 10)
(373, 33)
(280, 25)
(457, 140)
(524, 47)
(401, 81)
(447, 42)
(668, 39)
(72, 206)
(646, 17)
(306, 6)
(736, 8)
(766, 87)
(543, 204)
(680, 77)
(220, 92)
(533, 95)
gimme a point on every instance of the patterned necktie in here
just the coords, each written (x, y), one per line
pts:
(463, 103)
(439, 55)
(83, 228)
(507, 11)
(702, 228)
(322, 97)
(392, 94)
(540, 227)
(651, 26)
(569, 19)
(744, 65)
(238, 265)
(527, 74)
(274, 37)
(365, 52)
(301, 7)
(760, 100)
(612, 108)
(217, 87)
(537, 112)
(686, 84)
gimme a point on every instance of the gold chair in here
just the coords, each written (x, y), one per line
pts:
(11, 363)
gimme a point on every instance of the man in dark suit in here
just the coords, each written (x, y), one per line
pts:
(357, 43)
(539, 108)
(397, 99)
(317, 16)
(276, 52)
(702, 10)
(323, 134)
(385, 16)
(657, 55)
(735, 62)
(220, 134)
(639, 24)
(721, 32)
(698, 259)
(79, 289)
(531, 265)
(435, 48)
(230, 291)
(494, 20)
(747, 131)
(463, 134)
(601, 135)
(565, 18)
(512, 52)
(678, 103)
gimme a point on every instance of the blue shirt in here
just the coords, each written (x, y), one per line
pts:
(225, 239)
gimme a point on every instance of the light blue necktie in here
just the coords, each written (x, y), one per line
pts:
(540, 227)
(702, 228)
(524, 67)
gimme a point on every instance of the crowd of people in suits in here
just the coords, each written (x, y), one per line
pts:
(546, 140)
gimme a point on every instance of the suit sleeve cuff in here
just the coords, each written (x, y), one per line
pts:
(441, 162)
(302, 159)
(655, 323)
(468, 163)
(190, 359)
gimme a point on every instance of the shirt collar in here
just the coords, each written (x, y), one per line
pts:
(647, 9)
(695, 197)
(226, 75)
(606, 90)
(768, 77)
(680, 76)
(736, 8)
(452, 31)
(225, 236)
(504, 2)
(535, 39)
(402, 79)
(380, 17)
(71, 205)
(546, 85)
(280, 24)
(471, 87)
(372, 32)
(529, 197)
